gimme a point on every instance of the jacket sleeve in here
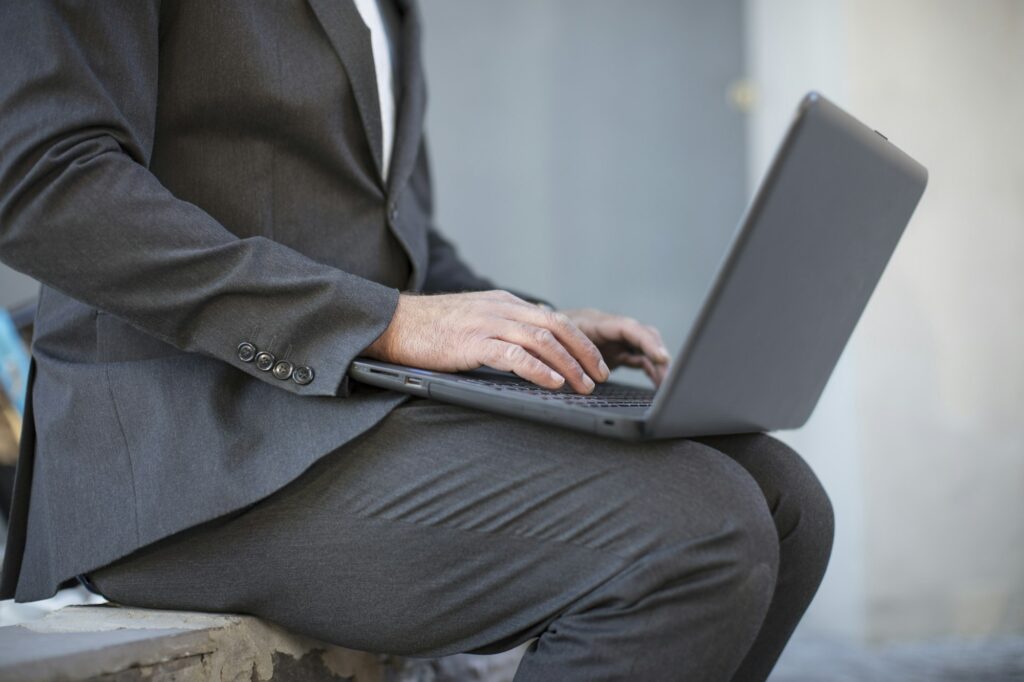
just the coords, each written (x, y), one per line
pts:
(446, 271)
(81, 212)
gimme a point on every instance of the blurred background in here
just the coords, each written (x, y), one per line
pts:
(601, 152)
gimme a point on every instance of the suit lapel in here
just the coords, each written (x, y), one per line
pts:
(351, 40)
(412, 102)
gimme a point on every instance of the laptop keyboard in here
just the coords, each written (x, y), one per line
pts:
(604, 395)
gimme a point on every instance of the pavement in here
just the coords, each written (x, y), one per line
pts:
(989, 659)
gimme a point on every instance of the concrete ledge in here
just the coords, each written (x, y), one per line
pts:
(110, 643)
(116, 644)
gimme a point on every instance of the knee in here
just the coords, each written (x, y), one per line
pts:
(740, 556)
(801, 509)
(701, 533)
(815, 530)
(805, 517)
(750, 537)
(734, 536)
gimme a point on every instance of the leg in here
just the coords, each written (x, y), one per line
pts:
(803, 518)
(447, 530)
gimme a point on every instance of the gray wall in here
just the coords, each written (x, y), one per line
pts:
(586, 151)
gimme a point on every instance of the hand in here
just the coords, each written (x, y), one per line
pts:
(624, 341)
(459, 332)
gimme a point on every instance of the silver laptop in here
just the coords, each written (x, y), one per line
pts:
(809, 252)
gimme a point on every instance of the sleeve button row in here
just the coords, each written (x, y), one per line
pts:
(266, 362)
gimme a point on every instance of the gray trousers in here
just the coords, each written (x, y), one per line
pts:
(447, 530)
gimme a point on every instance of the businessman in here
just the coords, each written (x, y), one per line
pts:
(226, 203)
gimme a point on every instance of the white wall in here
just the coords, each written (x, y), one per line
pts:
(941, 391)
(920, 436)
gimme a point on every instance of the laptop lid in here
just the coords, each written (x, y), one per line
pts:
(796, 279)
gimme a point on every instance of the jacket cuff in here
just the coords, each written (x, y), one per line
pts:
(307, 352)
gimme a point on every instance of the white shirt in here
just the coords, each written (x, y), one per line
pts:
(369, 10)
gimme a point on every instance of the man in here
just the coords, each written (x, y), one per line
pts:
(223, 211)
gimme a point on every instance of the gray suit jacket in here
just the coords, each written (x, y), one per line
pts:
(185, 177)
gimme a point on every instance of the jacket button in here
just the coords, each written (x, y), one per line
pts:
(302, 375)
(283, 370)
(246, 351)
(264, 361)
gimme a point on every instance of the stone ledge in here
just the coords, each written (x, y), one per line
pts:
(112, 643)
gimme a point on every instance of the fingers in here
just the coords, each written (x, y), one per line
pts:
(641, 336)
(655, 372)
(579, 346)
(543, 344)
(510, 357)
(533, 342)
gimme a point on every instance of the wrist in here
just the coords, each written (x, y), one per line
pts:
(383, 346)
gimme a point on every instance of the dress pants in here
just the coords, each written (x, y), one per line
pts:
(447, 530)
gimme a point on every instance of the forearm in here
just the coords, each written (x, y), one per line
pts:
(81, 212)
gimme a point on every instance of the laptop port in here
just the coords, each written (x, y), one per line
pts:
(413, 381)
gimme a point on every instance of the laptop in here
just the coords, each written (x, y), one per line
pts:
(786, 298)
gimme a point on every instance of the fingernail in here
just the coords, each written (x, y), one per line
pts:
(588, 382)
(557, 378)
(663, 354)
(604, 369)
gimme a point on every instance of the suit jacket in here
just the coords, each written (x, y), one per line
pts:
(186, 178)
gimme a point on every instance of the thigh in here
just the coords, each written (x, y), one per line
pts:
(443, 530)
